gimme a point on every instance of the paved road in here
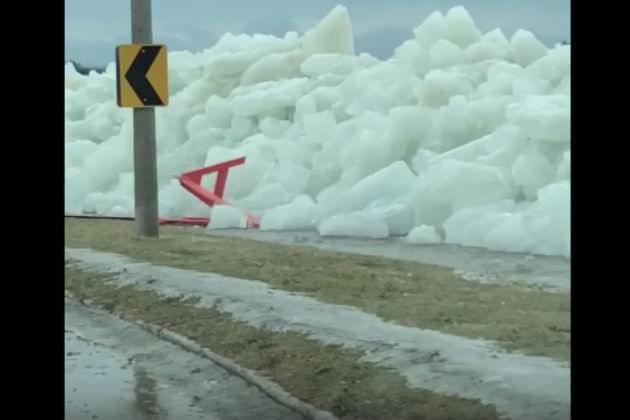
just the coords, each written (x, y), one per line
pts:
(114, 370)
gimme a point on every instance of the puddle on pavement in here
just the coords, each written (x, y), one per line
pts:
(102, 384)
(116, 371)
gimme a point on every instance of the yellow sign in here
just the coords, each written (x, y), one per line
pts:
(141, 76)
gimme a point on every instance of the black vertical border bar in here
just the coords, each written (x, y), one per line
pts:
(118, 72)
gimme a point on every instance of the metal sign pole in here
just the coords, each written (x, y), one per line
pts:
(144, 148)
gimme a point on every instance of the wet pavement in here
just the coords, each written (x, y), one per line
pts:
(547, 272)
(115, 370)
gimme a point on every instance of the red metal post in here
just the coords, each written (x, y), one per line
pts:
(191, 181)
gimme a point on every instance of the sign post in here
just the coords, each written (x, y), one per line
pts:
(141, 84)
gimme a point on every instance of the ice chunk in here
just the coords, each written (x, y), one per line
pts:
(333, 34)
(125, 185)
(499, 148)
(354, 224)
(183, 69)
(550, 218)
(398, 216)
(244, 52)
(445, 54)
(119, 211)
(543, 117)
(266, 96)
(266, 197)
(376, 149)
(510, 233)
(532, 171)
(94, 128)
(78, 151)
(304, 106)
(319, 127)
(441, 85)
(422, 159)
(292, 176)
(451, 185)
(198, 124)
(73, 79)
(242, 179)
(493, 45)
(101, 168)
(102, 203)
(240, 128)
(423, 234)
(319, 64)
(564, 87)
(461, 28)
(226, 217)
(175, 201)
(542, 228)
(525, 48)
(564, 169)
(299, 214)
(389, 183)
(407, 128)
(415, 56)
(273, 127)
(327, 97)
(219, 112)
(468, 226)
(531, 87)
(431, 30)
(276, 66)
(554, 67)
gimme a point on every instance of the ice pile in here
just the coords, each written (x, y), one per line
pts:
(460, 137)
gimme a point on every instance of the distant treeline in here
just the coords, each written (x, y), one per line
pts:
(85, 70)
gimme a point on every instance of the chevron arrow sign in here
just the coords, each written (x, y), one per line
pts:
(141, 76)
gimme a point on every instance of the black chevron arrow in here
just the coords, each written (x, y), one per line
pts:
(137, 75)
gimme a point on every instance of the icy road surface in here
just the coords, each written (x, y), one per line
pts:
(114, 370)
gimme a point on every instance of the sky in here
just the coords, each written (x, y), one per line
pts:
(93, 28)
